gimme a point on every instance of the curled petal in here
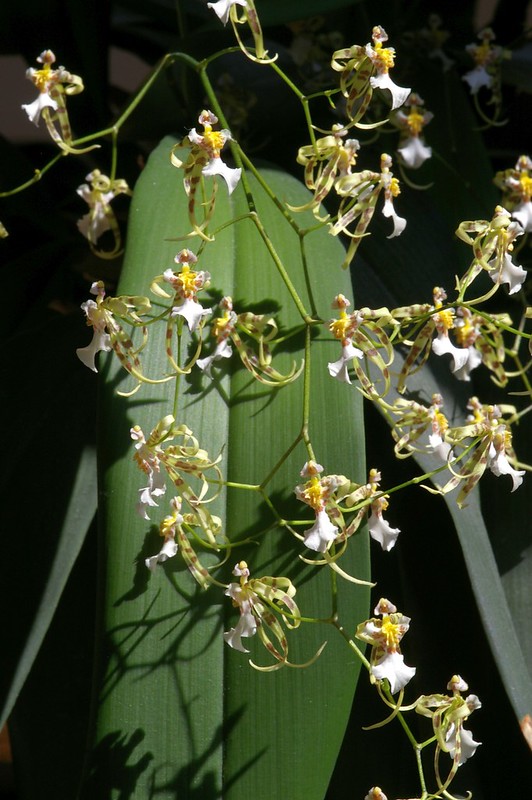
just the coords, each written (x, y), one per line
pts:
(523, 214)
(474, 360)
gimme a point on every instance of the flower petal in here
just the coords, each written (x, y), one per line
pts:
(321, 534)
(246, 626)
(218, 167)
(168, 550)
(100, 341)
(392, 667)
(382, 532)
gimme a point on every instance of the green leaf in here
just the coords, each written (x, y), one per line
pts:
(178, 711)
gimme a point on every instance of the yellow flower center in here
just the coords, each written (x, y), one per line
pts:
(165, 528)
(526, 186)
(482, 53)
(395, 187)
(415, 122)
(41, 78)
(464, 333)
(339, 327)
(220, 324)
(391, 631)
(441, 421)
(384, 57)
(314, 493)
(187, 279)
(446, 319)
(214, 140)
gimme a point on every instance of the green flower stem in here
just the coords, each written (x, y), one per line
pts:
(352, 644)
(301, 97)
(500, 325)
(282, 270)
(280, 462)
(250, 200)
(38, 174)
(306, 398)
(273, 197)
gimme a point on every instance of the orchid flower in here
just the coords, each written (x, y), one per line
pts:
(148, 457)
(98, 193)
(167, 530)
(448, 714)
(108, 334)
(444, 322)
(360, 336)
(375, 793)
(54, 85)
(175, 450)
(360, 192)
(414, 421)
(492, 242)
(226, 10)
(379, 529)
(315, 492)
(383, 59)
(486, 56)
(491, 436)
(486, 74)
(363, 69)
(172, 529)
(256, 600)
(434, 38)
(439, 323)
(186, 284)
(412, 150)
(205, 160)
(387, 661)
(260, 328)
(326, 161)
(516, 185)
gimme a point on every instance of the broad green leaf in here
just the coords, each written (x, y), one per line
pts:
(178, 711)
